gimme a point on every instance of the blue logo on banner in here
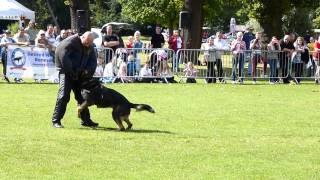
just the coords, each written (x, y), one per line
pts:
(18, 58)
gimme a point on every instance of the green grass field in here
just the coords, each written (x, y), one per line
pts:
(199, 131)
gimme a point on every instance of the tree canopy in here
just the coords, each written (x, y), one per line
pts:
(275, 16)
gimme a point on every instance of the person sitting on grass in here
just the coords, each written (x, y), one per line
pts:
(146, 74)
(190, 72)
(164, 73)
(122, 74)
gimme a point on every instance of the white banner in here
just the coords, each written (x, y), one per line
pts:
(30, 62)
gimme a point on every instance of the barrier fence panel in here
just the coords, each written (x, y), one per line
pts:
(139, 64)
(220, 65)
(151, 65)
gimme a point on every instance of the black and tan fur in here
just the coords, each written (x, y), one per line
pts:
(94, 93)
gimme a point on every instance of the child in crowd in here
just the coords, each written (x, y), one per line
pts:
(99, 68)
(108, 74)
(122, 74)
(146, 73)
(129, 44)
(131, 66)
(190, 72)
(164, 73)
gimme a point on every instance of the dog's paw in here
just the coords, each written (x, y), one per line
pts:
(129, 127)
(122, 129)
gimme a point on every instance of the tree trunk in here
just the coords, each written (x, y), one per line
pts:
(271, 17)
(78, 5)
(195, 29)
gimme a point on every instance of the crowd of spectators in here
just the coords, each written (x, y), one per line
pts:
(286, 57)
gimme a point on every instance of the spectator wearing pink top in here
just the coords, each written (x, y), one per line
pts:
(238, 46)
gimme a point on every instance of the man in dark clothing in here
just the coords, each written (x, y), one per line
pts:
(75, 58)
(157, 40)
(287, 49)
(110, 40)
(248, 36)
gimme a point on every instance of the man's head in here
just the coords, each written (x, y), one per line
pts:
(50, 28)
(63, 34)
(158, 29)
(87, 39)
(286, 39)
(109, 30)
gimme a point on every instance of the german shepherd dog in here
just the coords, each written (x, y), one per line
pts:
(94, 93)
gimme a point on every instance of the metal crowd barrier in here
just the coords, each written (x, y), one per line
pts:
(148, 65)
(138, 64)
(221, 65)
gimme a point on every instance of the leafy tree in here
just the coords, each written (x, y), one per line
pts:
(164, 12)
(43, 16)
(316, 20)
(104, 11)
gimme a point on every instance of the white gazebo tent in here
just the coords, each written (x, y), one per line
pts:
(12, 10)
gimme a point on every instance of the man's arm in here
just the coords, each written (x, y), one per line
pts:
(91, 63)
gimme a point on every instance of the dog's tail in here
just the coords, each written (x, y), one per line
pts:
(142, 107)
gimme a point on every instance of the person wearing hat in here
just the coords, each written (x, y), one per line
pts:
(5, 41)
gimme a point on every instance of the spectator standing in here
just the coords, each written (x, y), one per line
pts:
(129, 43)
(311, 66)
(297, 64)
(248, 36)
(21, 37)
(273, 58)
(175, 41)
(316, 58)
(287, 49)
(56, 31)
(210, 59)
(75, 59)
(110, 40)
(50, 35)
(63, 35)
(137, 44)
(221, 46)
(238, 46)
(157, 40)
(32, 32)
(256, 46)
(41, 40)
(5, 41)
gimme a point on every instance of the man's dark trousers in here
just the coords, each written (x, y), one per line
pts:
(66, 84)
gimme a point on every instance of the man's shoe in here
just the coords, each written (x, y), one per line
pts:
(89, 123)
(6, 78)
(57, 125)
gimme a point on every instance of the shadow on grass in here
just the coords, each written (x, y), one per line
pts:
(129, 131)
